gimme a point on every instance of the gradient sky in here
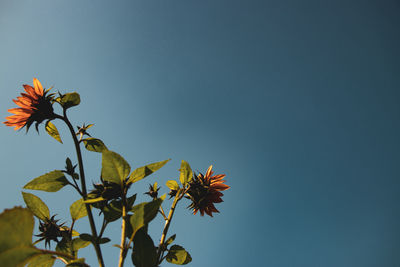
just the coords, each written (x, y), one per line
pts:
(297, 102)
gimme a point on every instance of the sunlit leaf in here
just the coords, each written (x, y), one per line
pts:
(78, 243)
(186, 173)
(51, 129)
(178, 255)
(114, 167)
(172, 184)
(94, 144)
(49, 182)
(42, 260)
(144, 171)
(37, 206)
(78, 209)
(170, 240)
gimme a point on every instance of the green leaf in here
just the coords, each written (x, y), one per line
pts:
(114, 167)
(86, 237)
(144, 171)
(111, 214)
(94, 144)
(37, 206)
(43, 260)
(78, 210)
(170, 240)
(18, 256)
(104, 240)
(49, 182)
(77, 263)
(144, 213)
(51, 129)
(94, 200)
(69, 100)
(186, 174)
(16, 228)
(79, 243)
(144, 254)
(64, 246)
(172, 184)
(178, 255)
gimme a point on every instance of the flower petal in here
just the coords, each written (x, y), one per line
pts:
(38, 87)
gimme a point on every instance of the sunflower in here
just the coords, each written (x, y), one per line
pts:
(204, 191)
(34, 106)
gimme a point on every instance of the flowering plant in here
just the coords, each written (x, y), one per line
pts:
(111, 196)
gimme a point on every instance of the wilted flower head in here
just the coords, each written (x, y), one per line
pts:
(204, 191)
(50, 230)
(34, 106)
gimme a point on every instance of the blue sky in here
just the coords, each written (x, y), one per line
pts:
(297, 102)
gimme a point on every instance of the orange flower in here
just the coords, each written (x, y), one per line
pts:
(34, 106)
(204, 191)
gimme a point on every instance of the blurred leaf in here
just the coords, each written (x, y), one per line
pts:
(49, 182)
(172, 184)
(43, 260)
(144, 171)
(144, 254)
(78, 209)
(51, 129)
(69, 100)
(18, 256)
(178, 255)
(104, 240)
(94, 144)
(114, 167)
(170, 240)
(186, 173)
(37, 206)
(144, 213)
(16, 228)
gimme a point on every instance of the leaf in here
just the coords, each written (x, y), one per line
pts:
(144, 254)
(178, 255)
(113, 210)
(172, 184)
(144, 171)
(69, 100)
(64, 246)
(78, 209)
(114, 167)
(86, 237)
(94, 200)
(18, 256)
(186, 173)
(94, 144)
(144, 213)
(170, 240)
(49, 182)
(104, 240)
(16, 228)
(79, 243)
(77, 263)
(51, 129)
(37, 206)
(43, 260)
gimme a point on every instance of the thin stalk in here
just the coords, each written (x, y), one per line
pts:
(178, 197)
(83, 189)
(123, 251)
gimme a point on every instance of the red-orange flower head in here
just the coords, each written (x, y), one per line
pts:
(34, 106)
(205, 190)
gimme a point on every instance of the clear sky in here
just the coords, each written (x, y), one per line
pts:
(297, 102)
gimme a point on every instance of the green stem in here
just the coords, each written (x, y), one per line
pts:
(161, 249)
(83, 189)
(124, 249)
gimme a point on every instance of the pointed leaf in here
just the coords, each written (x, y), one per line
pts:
(144, 213)
(186, 173)
(114, 167)
(51, 129)
(78, 209)
(172, 184)
(49, 182)
(37, 206)
(144, 171)
(178, 255)
(94, 144)
(170, 240)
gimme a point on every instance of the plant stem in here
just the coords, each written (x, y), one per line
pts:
(84, 191)
(178, 197)
(124, 249)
